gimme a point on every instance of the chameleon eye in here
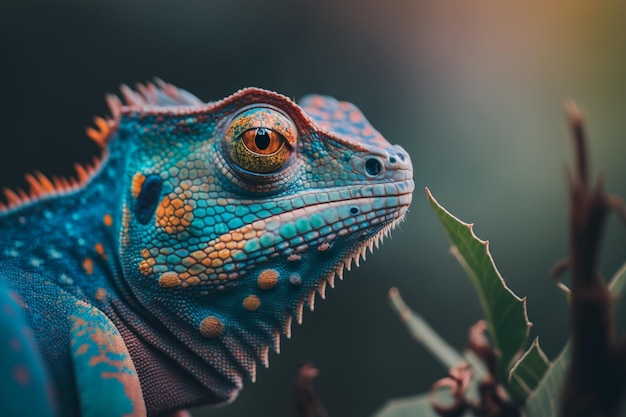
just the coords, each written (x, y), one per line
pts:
(260, 140)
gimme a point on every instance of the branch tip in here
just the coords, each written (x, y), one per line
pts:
(573, 112)
(576, 122)
(592, 387)
(559, 268)
(617, 205)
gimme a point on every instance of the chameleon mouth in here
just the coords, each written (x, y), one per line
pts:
(336, 226)
(358, 244)
(275, 265)
(366, 241)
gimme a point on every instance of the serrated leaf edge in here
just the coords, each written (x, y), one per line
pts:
(542, 355)
(548, 376)
(485, 243)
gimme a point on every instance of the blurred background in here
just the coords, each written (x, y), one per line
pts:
(473, 90)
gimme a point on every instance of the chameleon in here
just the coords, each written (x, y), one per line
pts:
(161, 275)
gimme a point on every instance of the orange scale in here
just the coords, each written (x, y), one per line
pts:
(178, 203)
(193, 281)
(136, 184)
(145, 268)
(198, 255)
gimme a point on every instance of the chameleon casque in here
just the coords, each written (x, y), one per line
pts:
(159, 277)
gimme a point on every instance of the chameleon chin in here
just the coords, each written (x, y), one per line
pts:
(160, 276)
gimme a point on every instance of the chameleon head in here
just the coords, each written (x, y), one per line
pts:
(236, 212)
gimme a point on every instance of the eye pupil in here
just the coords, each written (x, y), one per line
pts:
(262, 138)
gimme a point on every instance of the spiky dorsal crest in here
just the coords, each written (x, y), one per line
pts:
(152, 94)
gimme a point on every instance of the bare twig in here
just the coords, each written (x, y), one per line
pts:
(559, 268)
(596, 378)
(493, 401)
(307, 402)
(457, 382)
(580, 140)
(479, 344)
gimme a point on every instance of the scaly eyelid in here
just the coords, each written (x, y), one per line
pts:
(240, 140)
(263, 116)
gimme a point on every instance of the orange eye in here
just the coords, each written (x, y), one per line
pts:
(262, 140)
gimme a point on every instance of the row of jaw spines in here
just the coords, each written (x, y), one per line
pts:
(359, 253)
(262, 354)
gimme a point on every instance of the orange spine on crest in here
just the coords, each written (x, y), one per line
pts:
(12, 197)
(115, 106)
(131, 97)
(45, 183)
(150, 94)
(36, 188)
(59, 183)
(102, 134)
(23, 194)
(81, 172)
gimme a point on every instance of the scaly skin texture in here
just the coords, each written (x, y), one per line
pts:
(163, 274)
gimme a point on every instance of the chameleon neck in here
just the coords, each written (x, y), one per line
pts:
(80, 246)
(161, 359)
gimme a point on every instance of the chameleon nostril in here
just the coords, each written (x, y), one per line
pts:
(392, 160)
(373, 166)
(354, 210)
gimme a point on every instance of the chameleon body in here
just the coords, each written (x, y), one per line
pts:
(159, 277)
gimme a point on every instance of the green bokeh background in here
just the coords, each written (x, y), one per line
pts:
(473, 90)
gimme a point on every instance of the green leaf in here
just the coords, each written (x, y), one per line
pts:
(545, 400)
(423, 333)
(527, 372)
(505, 312)
(440, 349)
